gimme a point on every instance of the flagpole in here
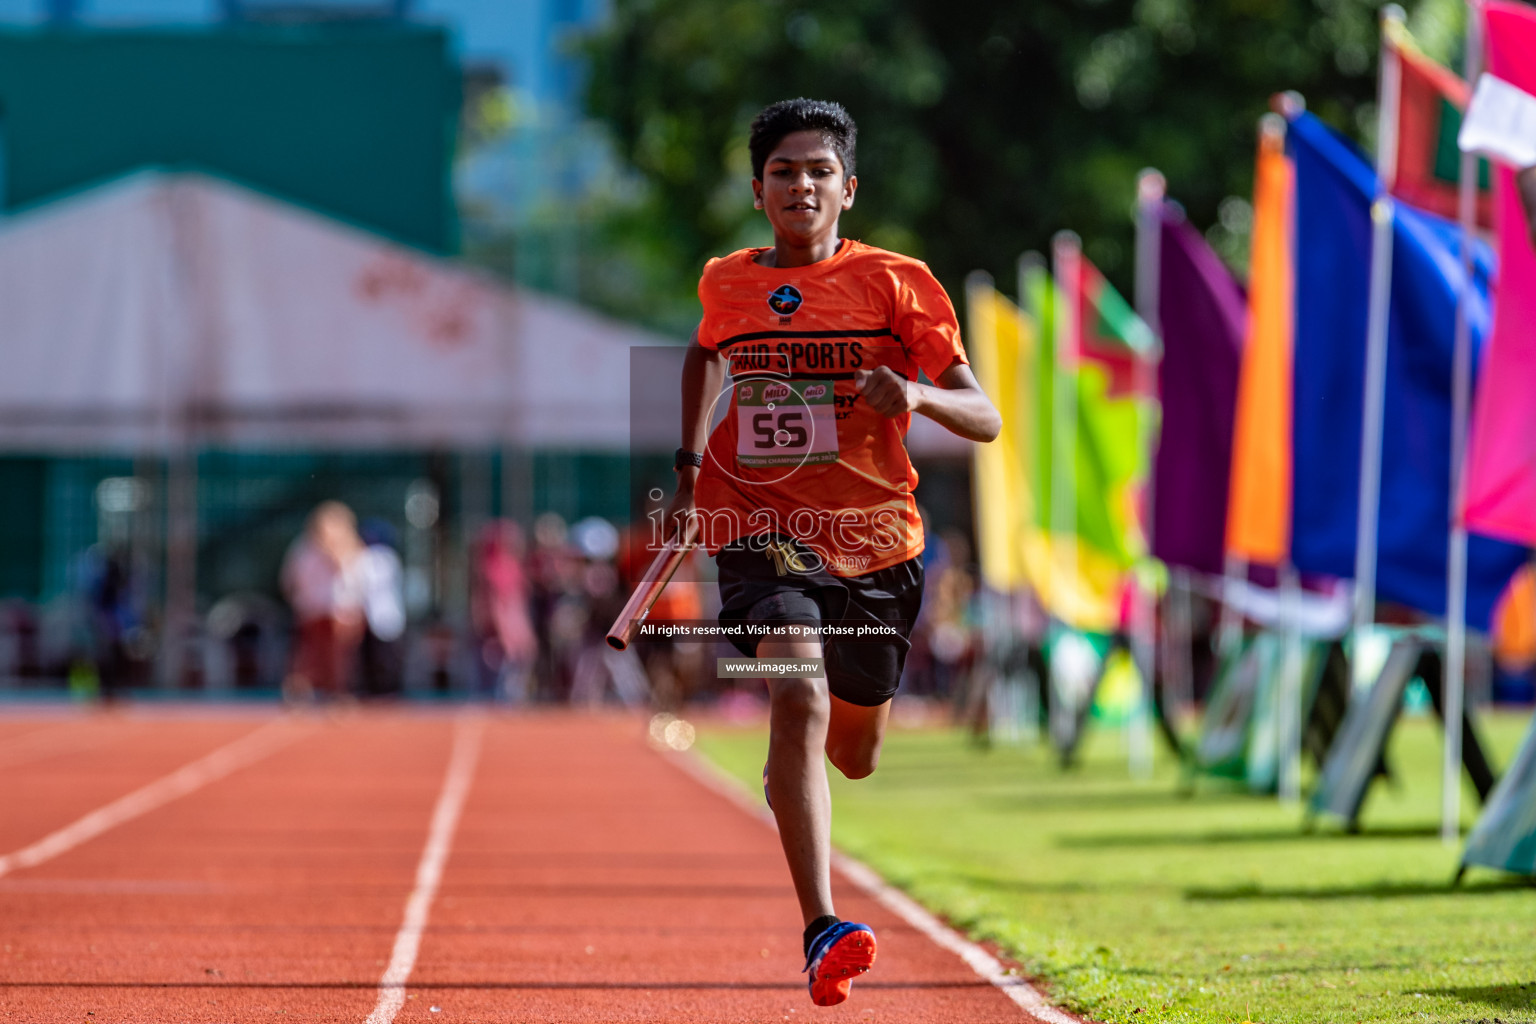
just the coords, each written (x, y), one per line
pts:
(1288, 686)
(1229, 624)
(1030, 266)
(1461, 401)
(1034, 610)
(1066, 260)
(1178, 625)
(1388, 97)
(1151, 191)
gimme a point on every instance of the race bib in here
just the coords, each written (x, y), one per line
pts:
(785, 423)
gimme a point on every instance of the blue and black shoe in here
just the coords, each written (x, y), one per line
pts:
(837, 956)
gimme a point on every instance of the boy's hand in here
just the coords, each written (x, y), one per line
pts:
(887, 393)
(681, 507)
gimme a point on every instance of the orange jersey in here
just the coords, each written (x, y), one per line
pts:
(799, 452)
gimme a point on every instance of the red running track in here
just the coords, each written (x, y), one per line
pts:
(588, 879)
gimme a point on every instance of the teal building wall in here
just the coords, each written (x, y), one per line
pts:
(355, 121)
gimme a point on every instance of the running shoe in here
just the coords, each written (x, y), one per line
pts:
(839, 954)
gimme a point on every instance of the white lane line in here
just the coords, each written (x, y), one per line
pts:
(445, 820)
(1029, 998)
(867, 880)
(194, 775)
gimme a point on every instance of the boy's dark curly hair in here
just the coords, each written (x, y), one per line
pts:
(802, 115)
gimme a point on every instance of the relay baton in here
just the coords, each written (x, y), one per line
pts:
(651, 584)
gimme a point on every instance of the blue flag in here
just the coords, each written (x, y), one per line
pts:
(1334, 190)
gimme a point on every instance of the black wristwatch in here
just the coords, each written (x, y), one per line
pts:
(686, 458)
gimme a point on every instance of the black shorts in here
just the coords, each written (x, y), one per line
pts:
(756, 587)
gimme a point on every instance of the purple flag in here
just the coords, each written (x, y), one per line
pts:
(1204, 315)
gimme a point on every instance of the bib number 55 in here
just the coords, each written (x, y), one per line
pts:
(785, 423)
(779, 430)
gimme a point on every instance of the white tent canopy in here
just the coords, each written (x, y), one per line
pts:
(162, 302)
(163, 310)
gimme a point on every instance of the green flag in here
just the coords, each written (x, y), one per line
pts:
(1092, 453)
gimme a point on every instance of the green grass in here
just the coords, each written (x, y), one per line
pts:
(1133, 903)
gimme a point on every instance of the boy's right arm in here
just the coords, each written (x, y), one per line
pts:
(703, 378)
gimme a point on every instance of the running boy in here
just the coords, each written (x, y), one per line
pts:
(804, 491)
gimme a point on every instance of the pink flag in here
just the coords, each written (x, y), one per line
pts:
(1501, 474)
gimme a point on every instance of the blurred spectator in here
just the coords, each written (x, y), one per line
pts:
(440, 644)
(381, 580)
(500, 613)
(943, 640)
(244, 627)
(100, 618)
(674, 667)
(599, 667)
(322, 579)
(109, 605)
(20, 659)
(559, 615)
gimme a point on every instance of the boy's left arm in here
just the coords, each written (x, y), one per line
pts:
(954, 401)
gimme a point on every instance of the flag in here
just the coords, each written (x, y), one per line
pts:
(1109, 333)
(1096, 462)
(1500, 498)
(1514, 624)
(1334, 191)
(1112, 466)
(1504, 837)
(1431, 102)
(1202, 315)
(1115, 373)
(1259, 499)
(1001, 344)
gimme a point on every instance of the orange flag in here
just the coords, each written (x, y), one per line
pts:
(1259, 500)
(1514, 623)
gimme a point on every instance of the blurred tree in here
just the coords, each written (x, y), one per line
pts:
(985, 125)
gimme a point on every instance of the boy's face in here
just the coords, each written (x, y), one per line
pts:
(803, 190)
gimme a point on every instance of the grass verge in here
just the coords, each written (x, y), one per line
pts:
(1135, 904)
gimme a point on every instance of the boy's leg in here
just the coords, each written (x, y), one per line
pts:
(808, 725)
(806, 720)
(854, 735)
(868, 671)
(799, 717)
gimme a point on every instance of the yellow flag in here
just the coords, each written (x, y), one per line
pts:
(1074, 581)
(1000, 343)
